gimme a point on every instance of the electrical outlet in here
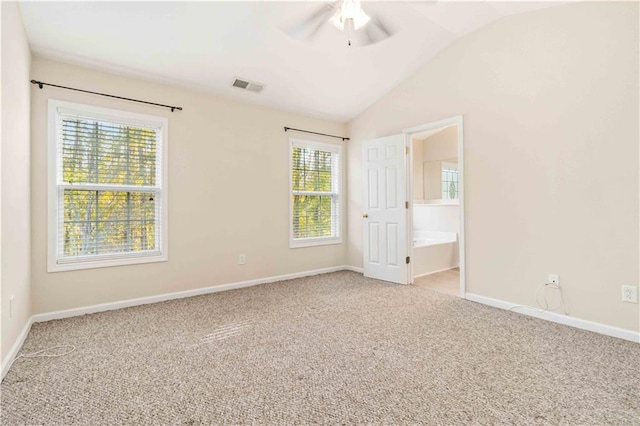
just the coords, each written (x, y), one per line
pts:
(554, 279)
(242, 259)
(629, 294)
(11, 306)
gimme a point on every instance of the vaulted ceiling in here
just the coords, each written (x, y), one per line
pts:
(205, 45)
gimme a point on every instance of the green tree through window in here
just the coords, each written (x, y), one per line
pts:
(109, 186)
(315, 191)
(102, 153)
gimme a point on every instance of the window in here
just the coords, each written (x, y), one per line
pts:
(315, 193)
(450, 189)
(107, 187)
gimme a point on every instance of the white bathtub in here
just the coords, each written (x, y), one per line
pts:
(434, 251)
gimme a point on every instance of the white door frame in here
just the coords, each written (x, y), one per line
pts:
(458, 121)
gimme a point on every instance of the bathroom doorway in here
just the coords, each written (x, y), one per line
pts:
(436, 216)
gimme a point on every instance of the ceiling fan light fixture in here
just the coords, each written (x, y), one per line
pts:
(337, 21)
(360, 20)
(350, 10)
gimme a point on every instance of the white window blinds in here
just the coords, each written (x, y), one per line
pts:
(315, 191)
(109, 186)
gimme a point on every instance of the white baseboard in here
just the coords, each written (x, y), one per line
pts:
(550, 316)
(153, 299)
(177, 295)
(435, 272)
(583, 324)
(13, 352)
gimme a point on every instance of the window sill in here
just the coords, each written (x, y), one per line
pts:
(312, 242)
(106, 263)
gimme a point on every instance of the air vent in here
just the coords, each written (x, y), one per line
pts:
(241, 84)
(248, 85)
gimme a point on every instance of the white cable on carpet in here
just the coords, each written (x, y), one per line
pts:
(42, 354)
(544, 308)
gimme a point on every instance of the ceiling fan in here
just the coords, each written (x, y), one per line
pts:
(345, 15)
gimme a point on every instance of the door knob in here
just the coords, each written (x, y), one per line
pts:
(365, 215)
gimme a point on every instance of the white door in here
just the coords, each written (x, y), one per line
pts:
(385, 213)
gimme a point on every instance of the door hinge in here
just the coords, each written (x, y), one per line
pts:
(408, 259)
(406, 204)
(406, 149)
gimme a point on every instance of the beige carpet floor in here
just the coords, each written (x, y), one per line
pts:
(335, 348)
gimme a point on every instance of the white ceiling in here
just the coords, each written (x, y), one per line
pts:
(206, 45)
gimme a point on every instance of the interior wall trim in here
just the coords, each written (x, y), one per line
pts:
(13, 352)
(68, 313)
(177, 295)
(596, 327)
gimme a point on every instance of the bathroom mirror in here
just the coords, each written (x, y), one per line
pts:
(440, 180)
(435, 168)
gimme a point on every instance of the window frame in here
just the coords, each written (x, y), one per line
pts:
(54, 263)
(317, 241)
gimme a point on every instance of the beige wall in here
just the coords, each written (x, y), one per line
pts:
(15, 177)
(442, 145)
(418, 169)
(548, 97)
(432, 180)
(437, 148)
(228, 193)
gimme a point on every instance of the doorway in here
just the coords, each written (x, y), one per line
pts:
(436, 214)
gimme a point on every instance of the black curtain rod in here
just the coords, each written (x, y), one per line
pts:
(316, 133)
(41, 84)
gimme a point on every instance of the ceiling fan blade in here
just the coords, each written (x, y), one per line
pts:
(371, 38)
(384, 29)
(376, 31)
(309, 26)
(314, 30)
